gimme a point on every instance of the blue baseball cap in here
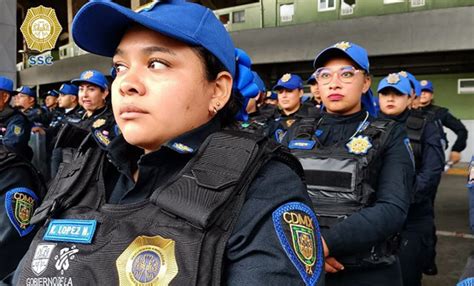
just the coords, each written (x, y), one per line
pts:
(6, 84)
(69, 89)
(259, 82)
(99, 26)
(346, 49)
(311, 80)
(94, 77)
(271, 95)
(52, 92)
(25, 90)
(414, 83)
(289, 81)
(426, 85)
(396, 81)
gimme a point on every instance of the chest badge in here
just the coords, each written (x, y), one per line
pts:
(359, 145)
(98, 123)
(148, 261)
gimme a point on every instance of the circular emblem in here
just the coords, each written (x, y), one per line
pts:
(41, 28)
(286, 77)
(424, 83)
(403, 73)
(145, 266)
(88, 75)
(393, 78)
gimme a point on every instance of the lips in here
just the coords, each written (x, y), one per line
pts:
(335, 97)
(130, 112)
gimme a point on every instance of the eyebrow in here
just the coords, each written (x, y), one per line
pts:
(149, 50)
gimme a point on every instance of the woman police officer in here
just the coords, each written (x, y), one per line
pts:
(358, 172)
(182, 201)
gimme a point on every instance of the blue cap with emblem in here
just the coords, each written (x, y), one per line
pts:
(25, 90)
(360, 57)
(69, 89)
(93, 77)
(396, 81)
(414, 83)
(99, 26)
(52, 92)
(6, 84)
(311, 80)
(426, 85)
(289, 81)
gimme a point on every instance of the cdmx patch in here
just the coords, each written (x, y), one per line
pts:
(20, 203)
(298, 231)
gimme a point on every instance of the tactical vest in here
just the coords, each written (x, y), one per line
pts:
(178, 236)
(415, 126)
(340, 183)
(433, 113)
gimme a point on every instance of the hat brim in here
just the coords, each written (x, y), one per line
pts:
(78, 82)
(331, 53)
(99, 34)
(404, 92)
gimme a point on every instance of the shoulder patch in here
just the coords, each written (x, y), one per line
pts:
(298, 231)
(20, 204)
(17, 130)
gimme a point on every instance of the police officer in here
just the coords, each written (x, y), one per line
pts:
(20, 185)
(26, 101)
(446, 118)
(394, 98)
(358, 172)
(189, 204)
(314, 91)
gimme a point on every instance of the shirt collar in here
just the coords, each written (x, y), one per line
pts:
(337, 118)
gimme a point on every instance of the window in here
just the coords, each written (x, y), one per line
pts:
(392, 1)
(465, 85)
(238, 17)
(224, 19)
(417, 3)
(326, 5)
(286, 12)
(347, 7)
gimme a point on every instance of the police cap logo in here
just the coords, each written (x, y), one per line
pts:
(403, 73)
(424, 83)
(393, 78)
(41, 28)
(148, 261)
(286, 77)
(20, 204)
(343, 45)
(147, 7)
(87, 75)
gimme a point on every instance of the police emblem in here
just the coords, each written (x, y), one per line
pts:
(403, 73)
(343, 45)
(393, 78)
(148, 261)
(20, 204)
(98, 123)
(181, 148)
(87, 75)
(359, 145)
(298, 231)
(41, 28)
(102, 138)
(424, 83)
(147, 7)
(41, 258)
(17, 130)
(290, 122)
(286, 77)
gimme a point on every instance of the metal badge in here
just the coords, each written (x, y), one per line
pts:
(87, 75)
(286, 77)
(359, 145)
(41, 28)
(98, 123)
(393, 78)
(424, 83)
(343, 45)
(148, 261)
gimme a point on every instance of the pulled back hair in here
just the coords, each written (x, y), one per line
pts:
(213, 67)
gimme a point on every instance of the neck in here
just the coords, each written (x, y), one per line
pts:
(291, 111)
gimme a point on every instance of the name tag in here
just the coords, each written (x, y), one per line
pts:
(71, 230)
(301, 144)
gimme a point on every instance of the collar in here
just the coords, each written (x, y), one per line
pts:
(402, 117)
(334, 118)
(95, 113)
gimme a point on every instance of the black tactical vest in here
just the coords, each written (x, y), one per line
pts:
(415, 126)
(178, 236)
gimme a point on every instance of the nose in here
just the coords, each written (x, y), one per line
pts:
(334, 83)
(130, 83)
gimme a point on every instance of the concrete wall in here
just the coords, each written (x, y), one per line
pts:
(8, 32)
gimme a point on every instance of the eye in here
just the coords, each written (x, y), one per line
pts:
(324, 74)
(157, 64)
(347, 74)
(119, 68)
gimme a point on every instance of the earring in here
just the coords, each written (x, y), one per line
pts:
(214, 110)
(218, 104)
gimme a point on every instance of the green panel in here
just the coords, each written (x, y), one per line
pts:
(446, 93)
(269, 13)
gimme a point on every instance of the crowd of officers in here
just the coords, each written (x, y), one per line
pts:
(372, 166)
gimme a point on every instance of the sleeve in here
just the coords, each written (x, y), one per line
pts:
(17, 134)
(458, 128)
(432, 163)
(256, 254)
(374, 224)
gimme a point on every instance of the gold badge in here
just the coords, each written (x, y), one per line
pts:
(286, 77)
(359, 145)
(88, 75)
(147, 7)
(393, 78)
(41, 28)
(403, 73)
(148, 261)
(16, 130)
(290, 122)
(424, 83)
(98, 123)
(343, 45)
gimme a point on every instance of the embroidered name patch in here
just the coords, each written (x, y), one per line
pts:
(298, 231)
(20, 204)
(301, 144)
(71, 230)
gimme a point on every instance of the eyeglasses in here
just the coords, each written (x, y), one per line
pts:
(345, 74)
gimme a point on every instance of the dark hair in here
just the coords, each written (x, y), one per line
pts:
(213, 67)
